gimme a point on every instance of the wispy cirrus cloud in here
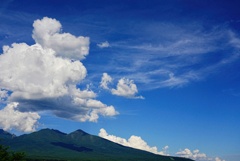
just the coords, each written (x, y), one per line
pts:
(168, 55)
(104, 44)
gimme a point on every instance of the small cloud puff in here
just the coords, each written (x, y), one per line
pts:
(104, 44)
(106, 79)
(134, 142)
(125, 87)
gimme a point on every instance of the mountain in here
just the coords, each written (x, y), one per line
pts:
(76, 146)
(6, 135)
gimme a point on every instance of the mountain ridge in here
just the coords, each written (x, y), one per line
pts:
(77, 145)
(5, 134)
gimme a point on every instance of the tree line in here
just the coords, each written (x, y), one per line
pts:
(6, 155)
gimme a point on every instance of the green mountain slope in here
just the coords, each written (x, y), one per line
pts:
(6, 135)
(77, 146)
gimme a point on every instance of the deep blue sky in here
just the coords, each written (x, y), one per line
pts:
(183, 56)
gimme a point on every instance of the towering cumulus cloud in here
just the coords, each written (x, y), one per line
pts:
(45, 77)
(46, 32)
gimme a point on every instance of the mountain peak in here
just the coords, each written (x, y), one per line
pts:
(81, 131)
(52, 130)
(1, 131)
(78, 135)
(5, 134)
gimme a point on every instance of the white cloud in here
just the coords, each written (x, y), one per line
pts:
(234, 40)
(174, 81)
(34, 72)
(218, 159)
(104, 44)
(138, 143)
(164, 150)
(47, 32)
(41, 77)
(188, 51)
(196, 155)
(134, 142)
(3, 95)
(10, 118)
(106, 79)
(126, 88)
(92, 110)
(187, 153)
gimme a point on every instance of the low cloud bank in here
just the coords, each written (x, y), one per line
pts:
(138, 143)
(134, 142)
(196, 155)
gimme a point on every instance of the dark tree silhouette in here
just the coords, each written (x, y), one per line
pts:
(6, 155)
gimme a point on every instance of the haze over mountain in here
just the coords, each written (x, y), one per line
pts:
(78, 145)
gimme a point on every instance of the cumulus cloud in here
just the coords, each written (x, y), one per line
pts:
(10, 118)
(218, 159)
(138, 143)
(126, 88)
(45, 76)
(196, 155)
(133, 142)
(47, 33)
(187, 153)
(164, 150)
(106, 79)
(104, 44)
(35, 72)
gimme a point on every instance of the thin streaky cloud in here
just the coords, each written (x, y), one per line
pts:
(104, 44)
(183, 56)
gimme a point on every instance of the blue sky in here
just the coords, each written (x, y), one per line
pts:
(171, 71)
